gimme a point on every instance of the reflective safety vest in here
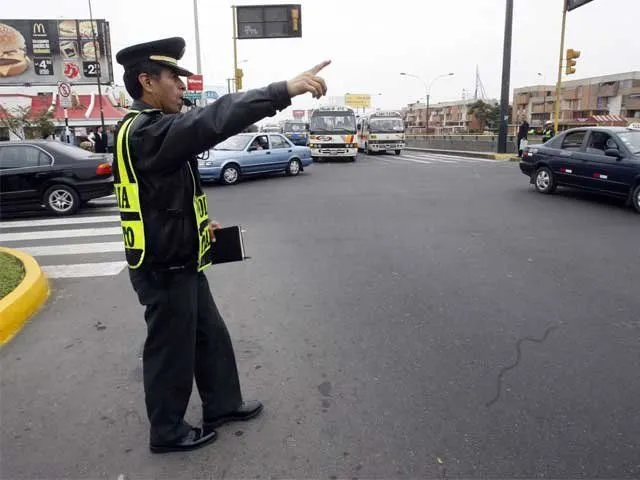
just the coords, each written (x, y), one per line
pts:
(128, 196)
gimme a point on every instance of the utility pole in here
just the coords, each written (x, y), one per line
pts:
(506, 77)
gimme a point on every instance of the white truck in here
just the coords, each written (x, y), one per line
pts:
(381, 131)
(332, 133)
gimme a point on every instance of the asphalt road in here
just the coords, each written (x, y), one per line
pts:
(401, 317)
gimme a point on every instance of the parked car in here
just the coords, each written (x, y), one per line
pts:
(52, 174)
(252, 154)
(599, 159)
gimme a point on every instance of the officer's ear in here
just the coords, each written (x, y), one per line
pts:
(146, 81)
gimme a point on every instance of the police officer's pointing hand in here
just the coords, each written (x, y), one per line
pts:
(309, 81)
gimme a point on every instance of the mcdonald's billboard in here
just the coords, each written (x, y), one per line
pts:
(46, 52)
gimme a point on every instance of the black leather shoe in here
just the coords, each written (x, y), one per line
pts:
(196, 438)
(247, 411)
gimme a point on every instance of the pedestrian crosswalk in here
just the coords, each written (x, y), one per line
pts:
(81, 246)
(435, 159)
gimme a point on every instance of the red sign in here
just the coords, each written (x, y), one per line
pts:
(298, 114)
(195, 83)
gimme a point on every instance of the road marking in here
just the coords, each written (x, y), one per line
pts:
(430, 159)
(60, 221)
(73, 249)
(83, 270)
(82, 232)
(407, 159)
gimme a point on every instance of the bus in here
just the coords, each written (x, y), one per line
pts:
(332, 133)
(296, 132)
(381, 131)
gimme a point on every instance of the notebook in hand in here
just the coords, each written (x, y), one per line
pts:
(229, 245)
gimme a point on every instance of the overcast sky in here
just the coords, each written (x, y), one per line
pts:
(370, 45)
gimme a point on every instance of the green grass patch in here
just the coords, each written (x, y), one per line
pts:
(11, 273)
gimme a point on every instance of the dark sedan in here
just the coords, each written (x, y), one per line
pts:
(52, 174)
(599, 159)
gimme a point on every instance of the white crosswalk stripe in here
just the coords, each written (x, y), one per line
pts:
(81, 246)
(427, 158)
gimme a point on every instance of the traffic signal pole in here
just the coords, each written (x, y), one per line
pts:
(235, 48)
(556, 115)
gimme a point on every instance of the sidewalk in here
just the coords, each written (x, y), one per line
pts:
(489, 155)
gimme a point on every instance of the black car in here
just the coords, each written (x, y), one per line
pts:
(599, 159)
(54, 174)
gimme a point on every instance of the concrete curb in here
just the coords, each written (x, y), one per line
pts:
(27, 298)
(489, 155)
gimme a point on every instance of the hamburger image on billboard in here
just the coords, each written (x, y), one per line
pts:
(13, 52)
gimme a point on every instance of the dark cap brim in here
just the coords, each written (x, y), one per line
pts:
(183, 72)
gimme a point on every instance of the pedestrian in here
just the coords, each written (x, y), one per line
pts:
(523, 132)
(168, 236)
(100, 141)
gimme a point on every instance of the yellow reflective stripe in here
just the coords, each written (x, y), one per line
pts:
(128, 197)
(122, 133)
(133, 234)
(202, 223)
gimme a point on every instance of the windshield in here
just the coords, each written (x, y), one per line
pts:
(386, 125)
(294, 127)
(237, 143)
(328, 122)
(631, 140)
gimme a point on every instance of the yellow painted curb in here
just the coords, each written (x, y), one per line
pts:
(502, 156)
(17, 307)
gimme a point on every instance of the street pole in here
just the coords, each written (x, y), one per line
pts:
(98, 67)
(235, 47)
(556, 118)
(427, 131)
(506, 76)
(197, 29)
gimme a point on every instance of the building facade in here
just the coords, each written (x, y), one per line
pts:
(613, 99)
(444, 118)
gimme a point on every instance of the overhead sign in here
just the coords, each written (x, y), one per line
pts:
(211, 94)
(573, 4)
(357, 100)
(297, 114)
(64, 90)
(45, 52)
(193, 96)
(195, 83)
(268, 21)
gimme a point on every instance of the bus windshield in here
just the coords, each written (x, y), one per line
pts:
(386, 125)
(333, 122)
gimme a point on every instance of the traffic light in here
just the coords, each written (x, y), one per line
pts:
(239, 75)
(571, 62)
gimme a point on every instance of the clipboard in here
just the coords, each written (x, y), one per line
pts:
(229, 246)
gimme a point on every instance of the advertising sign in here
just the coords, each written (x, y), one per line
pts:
(298, 114)
(195, 83)
(268, 21)
(357, 100)
(46, 52)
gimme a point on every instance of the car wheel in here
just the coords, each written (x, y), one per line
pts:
(61, 200)
(230, 174)
(544, 180)
(398, 152)
(635, 198)
(294, 167)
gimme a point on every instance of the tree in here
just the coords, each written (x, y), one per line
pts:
(482, 111)
(20, 122)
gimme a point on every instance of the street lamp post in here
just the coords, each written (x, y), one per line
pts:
(427, 91)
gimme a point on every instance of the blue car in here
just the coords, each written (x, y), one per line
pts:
(253, 154)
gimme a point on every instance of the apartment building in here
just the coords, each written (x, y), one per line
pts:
(444, 117)
(610, 99)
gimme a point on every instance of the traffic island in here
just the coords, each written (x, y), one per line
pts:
(30, 293)
(464, 153)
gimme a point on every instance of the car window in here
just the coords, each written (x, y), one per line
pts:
(599, 142)
(573, 140)
(261, 142)
(21, 156)
(278, 142)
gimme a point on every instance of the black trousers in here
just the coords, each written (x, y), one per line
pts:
(186, 338)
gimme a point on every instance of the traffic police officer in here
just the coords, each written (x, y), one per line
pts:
(548, 132)
(168, 236)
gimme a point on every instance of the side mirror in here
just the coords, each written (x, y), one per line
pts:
(612, 152)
